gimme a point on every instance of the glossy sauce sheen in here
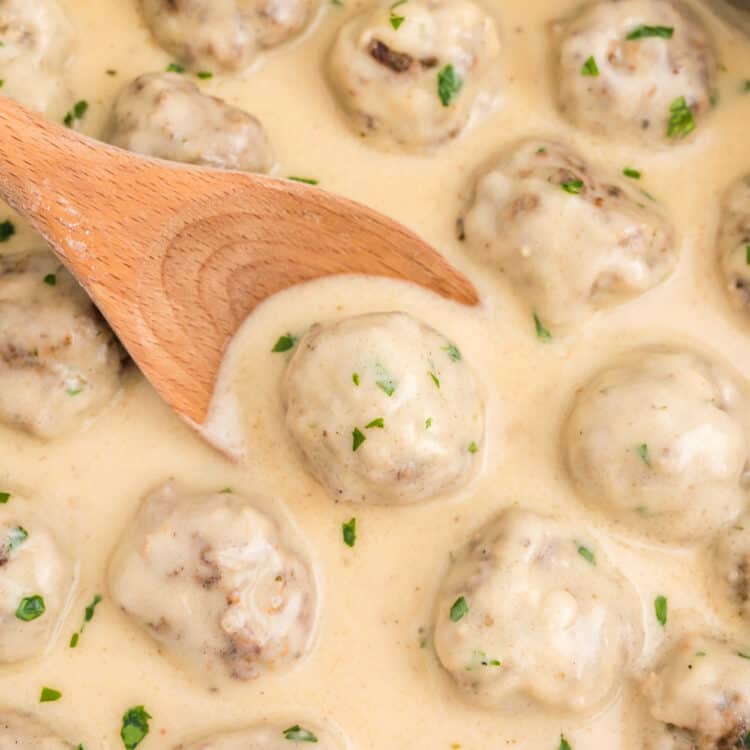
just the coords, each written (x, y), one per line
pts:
(373, 671)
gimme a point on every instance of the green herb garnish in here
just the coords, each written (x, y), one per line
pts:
(299, 734)
(306, 180)
(355, 378)
(449, 84)
(395, 19)
(428, 423)
(646, 32)
(284, 343)
(661, 609)
(541, 332)
(459, 609)
(590, 68)
(634, 174)
(378, 422)
(50, 279)
(357, 438)
(573, 187)
(30, 608)
(134, 726)
(4, 497)
(77, 113)
(204, 74)
(88, 615)
(175, 68)
(435, 378)
(349, 532)
(49, 694)
(564, 744)
(644, 454)
(681, 122)
(586, 554)
(16, 538)
(7, 230)
(473, 447)
(453, 353)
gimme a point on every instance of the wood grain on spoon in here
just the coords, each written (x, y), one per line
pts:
(177, 257)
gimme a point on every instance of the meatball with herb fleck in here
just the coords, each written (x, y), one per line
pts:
(532, 612)
(19, 731)
(384, 409)
(214, 581)
(59, 361)
(224, 35)
(268, 737)
(36, 579)
(570, 238)
(408, 74)
(700, 694)
(658, 439)
(166, 116)
(644, 69)
(734, 244)
(36, 45)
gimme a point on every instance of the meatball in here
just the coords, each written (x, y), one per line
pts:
(531, 611)
(36, 579)
(20, 732)
(409, 74)
(268, 738)
(211, 579)
(731, 564)
(701, 693)
(384, 409)
(659, 439)
(166, 116)
(734, 244)
(59, 362)
(224, 35)
(569, 239)
(36, 44)
(644, 69)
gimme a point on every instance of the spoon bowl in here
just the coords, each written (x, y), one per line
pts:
(176, 257)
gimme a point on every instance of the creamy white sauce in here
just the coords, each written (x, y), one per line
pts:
(367, 672)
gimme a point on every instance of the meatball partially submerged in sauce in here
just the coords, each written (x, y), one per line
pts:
(166, 116)
(659, 439)
(531, 611)
(571, 240)
(224, 35)
(701, 693)
(641, 68)
(269, 738)
(731, 566)
(59, 361)
(20, 732)
(36, 578)
(212, 580)
(384, 409)
(36, 45)
(734, 244)
(409, 73)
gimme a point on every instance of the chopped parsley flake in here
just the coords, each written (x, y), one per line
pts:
(459, 609)
(306, 180)
(435, 378)
(661, 609)
(646, 32)
(634, 174)
(746, 86)
(74, 640)
(7, 230)
(453, 353)
(564, 744)
(299, 734)
(175, 68)
(284, 343)
(4, 497)
(644, 454)
(349, 532)
(2, 82)
(385, 382)
(50, 279)
(338, 3)
(681, 122)
(49, 694)
(395, 19)
(590, 68)
(480, 659)
(355, 378)
(379, 422)
(743, 655)
(357, 438)
(747, 255)
(573, 187)
(449, 84)
(586, 554)
(473, 447)
(88, 615)
(30, 608)
(16, 538)
(73, 391)
(428, 423)
(77, 113)
(204, 74)
(134, 726)
(541, 332)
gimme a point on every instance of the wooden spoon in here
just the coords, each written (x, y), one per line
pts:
(176, 257)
